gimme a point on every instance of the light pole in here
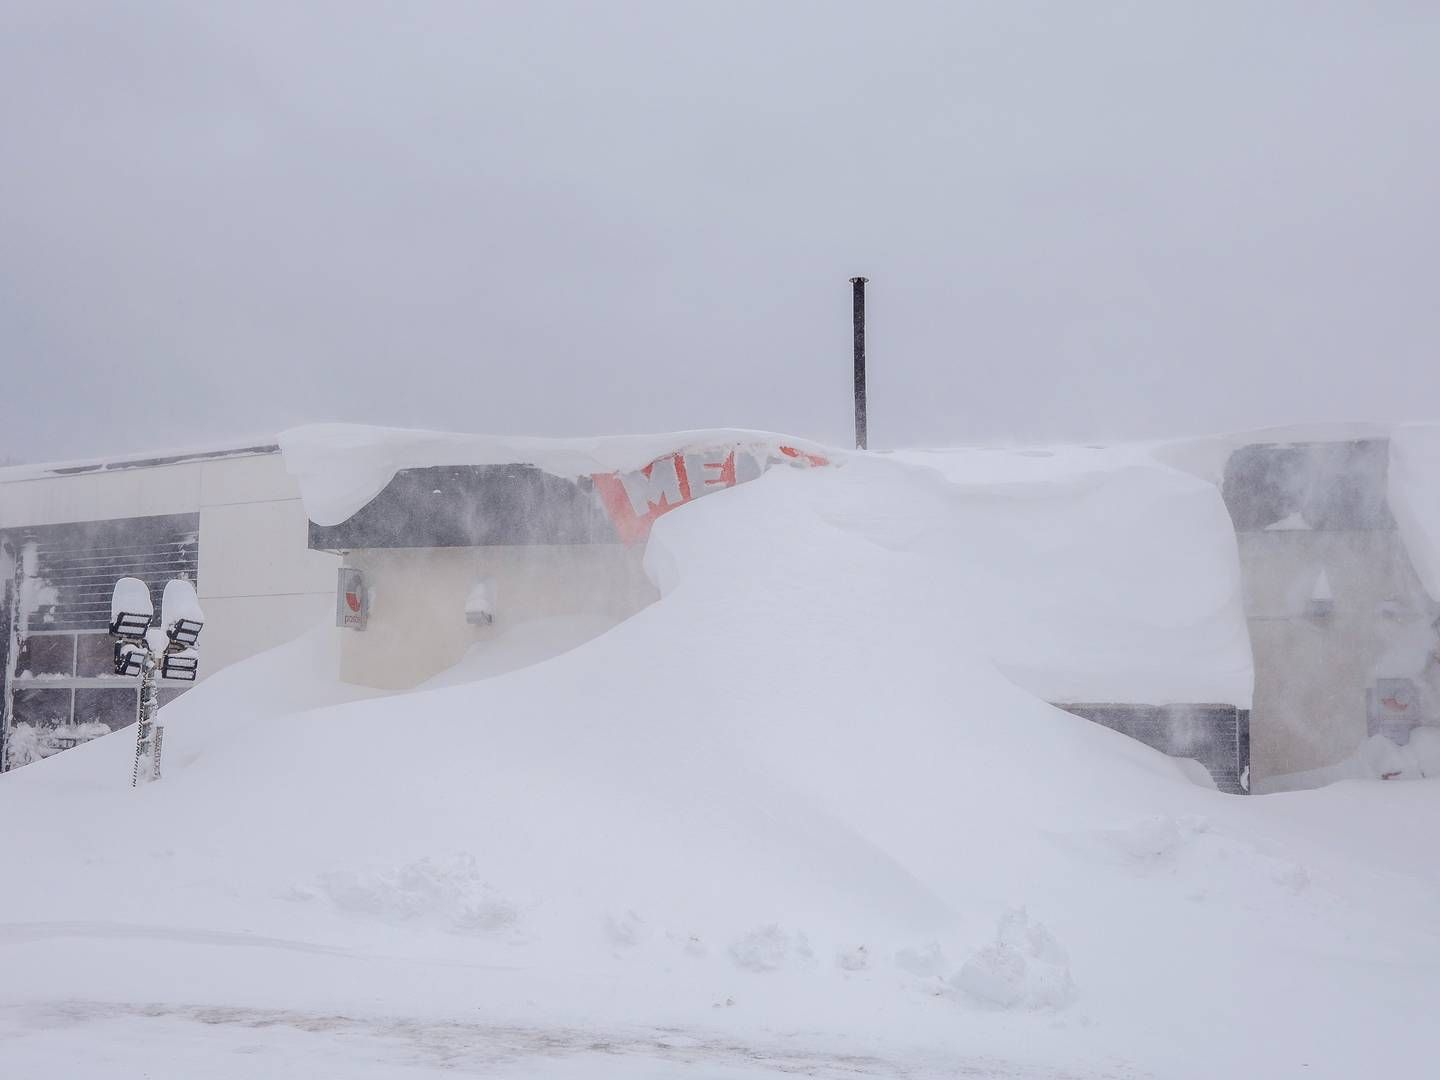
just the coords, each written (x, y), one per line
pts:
(142, 649)
(857, 285)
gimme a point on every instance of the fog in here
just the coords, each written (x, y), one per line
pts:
(1080, 221)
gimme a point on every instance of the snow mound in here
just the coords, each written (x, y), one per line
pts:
(1023, 968)
(448, 891)
(1155, 841)
(770, 948)
(1377, 758)
(1085, 576)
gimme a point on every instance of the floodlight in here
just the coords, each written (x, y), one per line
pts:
(130, 609)
(180, 614)
(144, 649)
(184, 633)
(129, 658)
(181, 665)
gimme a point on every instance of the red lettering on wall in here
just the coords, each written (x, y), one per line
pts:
(634, 500)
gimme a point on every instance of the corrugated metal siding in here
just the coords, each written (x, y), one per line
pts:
(1217, 736)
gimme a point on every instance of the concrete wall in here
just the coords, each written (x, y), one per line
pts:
(260, 584)
(417, 626)
(1312, 670)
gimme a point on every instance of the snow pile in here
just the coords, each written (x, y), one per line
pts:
(1085, 574)
(1024, 967)
(26, 743)
(1377, 758)
(447, 891)
(770, 948)
(779, 822)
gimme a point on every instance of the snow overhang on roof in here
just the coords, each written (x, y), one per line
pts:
(369, 487)
(1339, 485)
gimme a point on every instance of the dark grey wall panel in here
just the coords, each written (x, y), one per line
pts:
(473, 506)
(1330, 485)
(1218, 736)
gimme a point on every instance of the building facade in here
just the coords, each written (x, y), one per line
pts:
(1346, 641)
(230, 521)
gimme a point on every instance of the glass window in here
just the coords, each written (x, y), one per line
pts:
(46, 654)
(113, 708)
(95, 656)
(40, 708)
(167, 695)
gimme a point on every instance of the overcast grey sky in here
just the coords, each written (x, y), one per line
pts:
(1081, 220)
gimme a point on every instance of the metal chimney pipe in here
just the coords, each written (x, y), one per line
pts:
(858, 284)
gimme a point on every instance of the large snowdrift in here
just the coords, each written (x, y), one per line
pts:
(1087, 575)
(790, 818)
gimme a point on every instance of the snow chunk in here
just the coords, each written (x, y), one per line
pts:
(856, 959)
(448, 891)
(1156, 840)
(1290, 523)
(626, 929)
(770, 948)
(1023, 968)
(925, 963)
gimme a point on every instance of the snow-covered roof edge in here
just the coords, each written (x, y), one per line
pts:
(341, 467)
(259, 445)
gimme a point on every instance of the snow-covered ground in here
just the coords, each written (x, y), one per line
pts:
(808, 814)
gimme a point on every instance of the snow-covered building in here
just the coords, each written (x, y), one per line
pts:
(1331, 596)
(1150, 589)
(229, 519)
(444, 557)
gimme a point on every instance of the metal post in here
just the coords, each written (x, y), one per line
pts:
(147, 768)
(150, 703)
(858, 284)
